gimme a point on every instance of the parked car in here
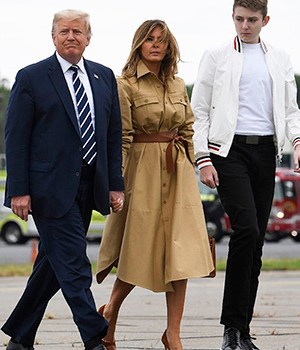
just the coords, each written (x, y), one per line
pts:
(14, 230)
(217, 221)
(284, 219)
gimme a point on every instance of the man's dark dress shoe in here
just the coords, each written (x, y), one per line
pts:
(231, 339)
(246, 342)
(14, 346)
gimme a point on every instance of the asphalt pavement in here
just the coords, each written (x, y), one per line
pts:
(22, 253)
(276, 322)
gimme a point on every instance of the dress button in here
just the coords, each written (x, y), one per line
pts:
(77, 173)
(146, 100)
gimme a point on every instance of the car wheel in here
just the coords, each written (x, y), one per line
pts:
(296, 236)
(12, 234)
(215, 230)
(94, 239)
(272, 236)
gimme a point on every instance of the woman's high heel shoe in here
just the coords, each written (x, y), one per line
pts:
(110, 345)
(164, 340)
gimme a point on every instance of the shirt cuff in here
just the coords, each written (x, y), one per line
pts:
(296, 142)
(205, 161)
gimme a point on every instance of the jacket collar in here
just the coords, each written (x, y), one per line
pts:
(141, 69)
(237, 45)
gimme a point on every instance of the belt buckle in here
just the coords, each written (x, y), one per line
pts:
(252, 140)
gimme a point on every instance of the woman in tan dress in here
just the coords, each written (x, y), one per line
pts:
(159, 240)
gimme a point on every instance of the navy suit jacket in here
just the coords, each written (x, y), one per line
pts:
(43, 143)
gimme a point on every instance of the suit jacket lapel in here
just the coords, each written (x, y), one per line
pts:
(98, 90)
(60, 84)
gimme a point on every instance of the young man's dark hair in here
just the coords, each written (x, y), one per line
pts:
(255, 5)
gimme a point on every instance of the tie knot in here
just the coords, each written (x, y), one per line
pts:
(74, 68)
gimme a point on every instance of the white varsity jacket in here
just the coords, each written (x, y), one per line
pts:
(215, 99)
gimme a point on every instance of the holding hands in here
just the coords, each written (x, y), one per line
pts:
(116, 201)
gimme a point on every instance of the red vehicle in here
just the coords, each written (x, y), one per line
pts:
(284, 219)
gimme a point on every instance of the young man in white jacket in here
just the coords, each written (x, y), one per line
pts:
(244, 100)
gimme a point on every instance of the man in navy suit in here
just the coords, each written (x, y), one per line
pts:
(48, 176)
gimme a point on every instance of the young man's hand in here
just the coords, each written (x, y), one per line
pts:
(297, 159)
(209, 176)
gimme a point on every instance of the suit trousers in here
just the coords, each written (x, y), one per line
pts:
(246, 189)
(61, 263)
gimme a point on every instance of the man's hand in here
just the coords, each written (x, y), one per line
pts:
(21, 206)
(209, 176)
(116, 201)
(297, 159)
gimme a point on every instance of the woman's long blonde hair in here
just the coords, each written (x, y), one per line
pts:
(169, 64)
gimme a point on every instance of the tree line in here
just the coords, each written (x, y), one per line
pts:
(5, 91)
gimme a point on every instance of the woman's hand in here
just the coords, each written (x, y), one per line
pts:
(116, 200)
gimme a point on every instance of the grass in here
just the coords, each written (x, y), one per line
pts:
(15, 270)
(268, 265)
(2, 179)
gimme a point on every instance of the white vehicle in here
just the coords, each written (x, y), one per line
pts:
(14, 230)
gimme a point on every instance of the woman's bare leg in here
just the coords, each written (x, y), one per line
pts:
(175, 305)
(119, 293)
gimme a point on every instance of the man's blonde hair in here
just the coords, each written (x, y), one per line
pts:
(71, 15)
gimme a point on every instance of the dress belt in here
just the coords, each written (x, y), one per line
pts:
(170, 137)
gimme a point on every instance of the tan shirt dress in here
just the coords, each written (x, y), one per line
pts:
(160, 236)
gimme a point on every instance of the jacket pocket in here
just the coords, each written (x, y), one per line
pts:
(147, 111)
(179, 105)
(178, 100)
(40, 166)
(145, 100)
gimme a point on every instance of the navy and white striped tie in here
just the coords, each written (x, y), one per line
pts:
(85, 119)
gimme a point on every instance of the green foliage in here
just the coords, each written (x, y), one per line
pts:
(189, 89)
(5, 91)
(297, 77)
(4, 96)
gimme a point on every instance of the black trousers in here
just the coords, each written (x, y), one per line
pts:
(61, 263)
(247, 178)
